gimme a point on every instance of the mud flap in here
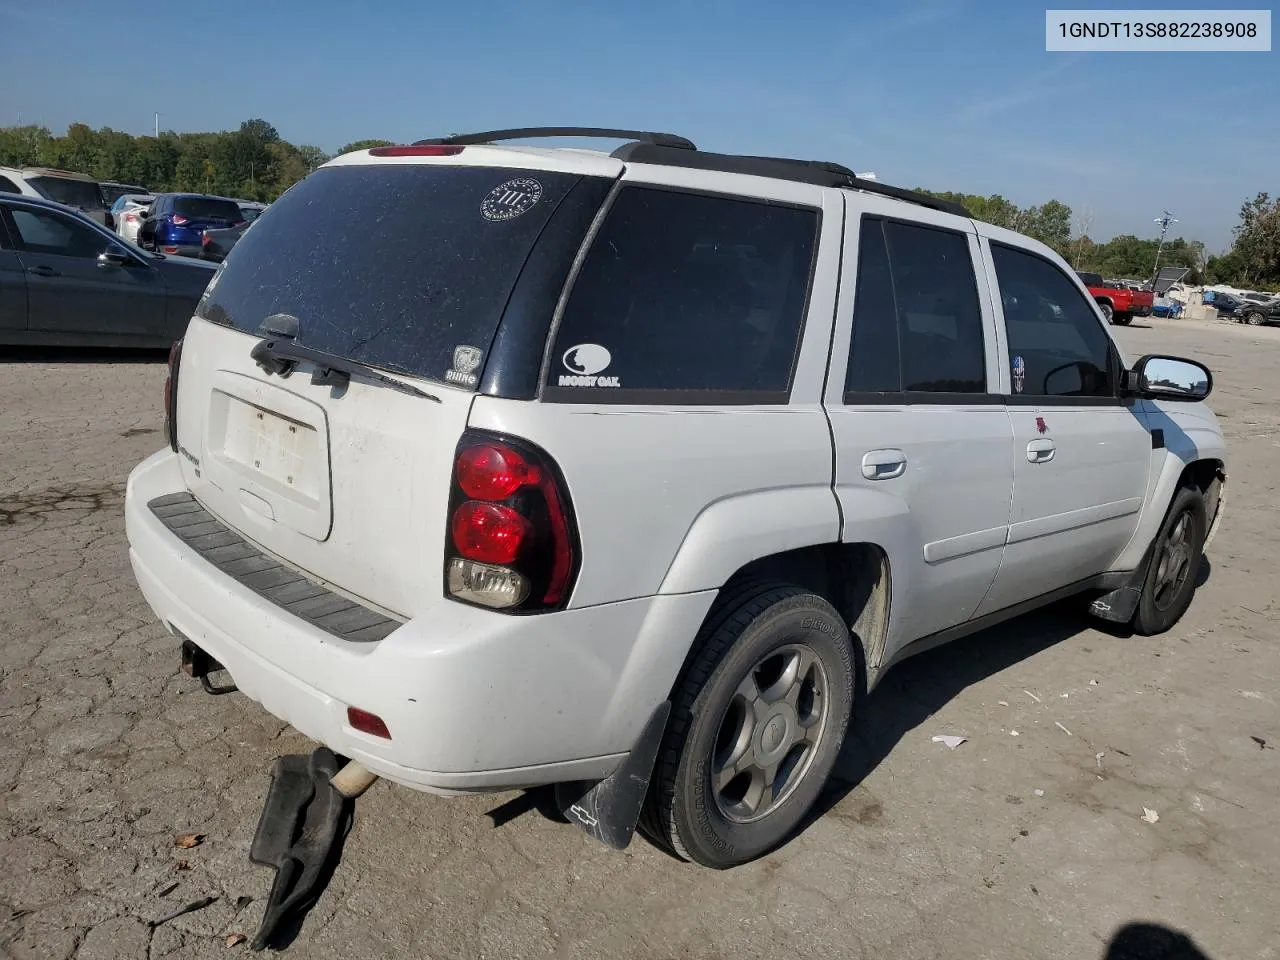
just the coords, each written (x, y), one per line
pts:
(303, 823)
(609, 809)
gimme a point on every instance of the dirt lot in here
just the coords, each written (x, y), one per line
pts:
(1008, 847)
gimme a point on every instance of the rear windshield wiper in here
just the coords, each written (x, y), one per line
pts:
(281, 356)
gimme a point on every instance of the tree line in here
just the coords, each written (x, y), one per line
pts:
(255, 163)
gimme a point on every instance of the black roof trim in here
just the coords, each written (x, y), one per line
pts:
(668, 140)
(817, 172)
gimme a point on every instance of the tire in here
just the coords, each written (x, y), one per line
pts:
(1108, 313)
(772, 662)
(1122, 319)
(1171, 577)
(1255, 319)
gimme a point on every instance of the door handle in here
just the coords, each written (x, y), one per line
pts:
(884, 464)
(1041, 451)
(43, 271)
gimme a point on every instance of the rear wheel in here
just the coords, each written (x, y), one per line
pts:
(757, 722)
(1255, 319)
(1171, 578)
(1122, 319)
(1107, 312)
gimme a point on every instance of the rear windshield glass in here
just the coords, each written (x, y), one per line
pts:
(206, 208)
(403, 266)
(83, 194)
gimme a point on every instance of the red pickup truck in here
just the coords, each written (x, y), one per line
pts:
(1118, 304)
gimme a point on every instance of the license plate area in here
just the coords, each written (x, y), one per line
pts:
(267, 458)
(282, 451)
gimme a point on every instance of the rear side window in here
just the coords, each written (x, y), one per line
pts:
(83, 194)
(8, 186)
(403, 266)
(917, 320)
(206, 208)
(686, 298)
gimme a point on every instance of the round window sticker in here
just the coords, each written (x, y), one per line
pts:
(508, 200)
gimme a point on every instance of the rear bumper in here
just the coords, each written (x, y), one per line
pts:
(474, 700)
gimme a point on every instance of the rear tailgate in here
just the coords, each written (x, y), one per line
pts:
(404, 267)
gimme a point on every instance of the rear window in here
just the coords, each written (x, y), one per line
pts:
(686, 298)
(403, 266)
(206, 208)
(1090, 279)
(83, 194)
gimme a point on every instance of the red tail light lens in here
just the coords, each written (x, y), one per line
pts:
(171, 396)
(423, 150)
(493, 472)
(489, 532)
(512, 542)
(131, 217)
(179, 220)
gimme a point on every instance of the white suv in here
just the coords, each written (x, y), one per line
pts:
(75, 190)
(493, 467)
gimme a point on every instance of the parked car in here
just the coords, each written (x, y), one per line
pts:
(1119, 304)
(216, 244)
(176, 221)
(1256, 314)
(66, 280)
(73, 190)
(112, 191)
(1224, 303)
(127, 213)
(251, 210)
(384, 510)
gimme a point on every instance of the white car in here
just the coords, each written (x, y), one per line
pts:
(494, 466)
(128, 212)
(75, 190)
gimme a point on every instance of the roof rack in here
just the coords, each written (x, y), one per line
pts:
(818, 172)
(666, 140)
(670, 150)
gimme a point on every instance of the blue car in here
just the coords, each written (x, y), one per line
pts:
(177, 221)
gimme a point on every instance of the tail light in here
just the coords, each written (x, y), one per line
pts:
(131, 218)
(179, 220)
(512, 543)
(171, 396)
(418, 150)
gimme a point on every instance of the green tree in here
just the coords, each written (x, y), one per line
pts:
(364, 145)
(1257, 240)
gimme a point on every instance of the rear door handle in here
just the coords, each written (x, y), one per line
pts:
(1041, 451)
(884, 464)
(43, 271)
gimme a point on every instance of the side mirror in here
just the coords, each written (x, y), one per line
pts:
(113, 258)
(1159, 377)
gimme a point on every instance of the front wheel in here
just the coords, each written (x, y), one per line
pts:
(1255, 319)
(756, 724)
(1171, 577)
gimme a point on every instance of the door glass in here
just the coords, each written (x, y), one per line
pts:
(874, 365)
(1057, 347)
(939, 315)
(51, 234)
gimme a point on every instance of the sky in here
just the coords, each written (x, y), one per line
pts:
(946, 94)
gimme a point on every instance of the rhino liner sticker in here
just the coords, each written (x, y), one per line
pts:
(508, 200)
(466, 361)
(585, 362)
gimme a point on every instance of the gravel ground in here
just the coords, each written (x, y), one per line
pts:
(1007, 847)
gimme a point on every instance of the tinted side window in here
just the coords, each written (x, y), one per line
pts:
(686, 293)
(939, 315)
(1057, 347)
(8, 186)
(49, 233)
(874, 365)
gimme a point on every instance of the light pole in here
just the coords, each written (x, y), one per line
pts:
(157, 124)
(1164, 220)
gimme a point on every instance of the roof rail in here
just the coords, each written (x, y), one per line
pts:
(818, 172)
(667, 140)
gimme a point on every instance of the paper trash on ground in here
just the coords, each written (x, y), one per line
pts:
(950, 741)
